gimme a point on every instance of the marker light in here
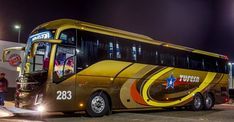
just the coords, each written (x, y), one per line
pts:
(226, 99)
(81, 104)
(226, 58)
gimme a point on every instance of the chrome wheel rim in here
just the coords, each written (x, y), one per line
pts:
(197, 102)
(98, 104)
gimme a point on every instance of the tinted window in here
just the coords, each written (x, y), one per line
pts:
(68, 37)
(182, 61)
(222, 66)
(93, 48)
(211, 64)
(148, 53)
(167, 59)
(196, 62)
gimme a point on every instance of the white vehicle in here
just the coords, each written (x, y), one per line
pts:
(10, 69)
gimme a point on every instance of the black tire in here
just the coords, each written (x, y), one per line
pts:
(98, 105)
(208, 101)
(197, 103)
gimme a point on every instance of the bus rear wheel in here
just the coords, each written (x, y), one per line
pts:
(208, 101)
(197, 103)
(98, 105)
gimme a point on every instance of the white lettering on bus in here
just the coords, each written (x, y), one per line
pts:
(64, 95)
(187, 78)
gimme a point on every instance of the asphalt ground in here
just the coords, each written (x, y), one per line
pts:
(220, 113)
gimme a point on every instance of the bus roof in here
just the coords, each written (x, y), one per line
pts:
(119, 33)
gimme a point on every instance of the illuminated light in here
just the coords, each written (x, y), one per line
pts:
(82, 27)
(111, 78)
(42, 35)
(77, 51)
(226, 57)
(226, 99)
(81, 104)
(40, 108)
(17, 26)
(167, 98)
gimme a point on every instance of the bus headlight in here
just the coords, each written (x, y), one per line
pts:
(40, 108)
(38, 99)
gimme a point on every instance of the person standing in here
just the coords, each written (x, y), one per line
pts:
(3, 88)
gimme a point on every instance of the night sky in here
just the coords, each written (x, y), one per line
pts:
(201, 24)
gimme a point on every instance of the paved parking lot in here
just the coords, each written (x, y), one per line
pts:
(221, 113)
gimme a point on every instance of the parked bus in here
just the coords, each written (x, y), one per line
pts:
(74, 66)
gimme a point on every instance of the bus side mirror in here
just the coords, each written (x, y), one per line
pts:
(33, 50)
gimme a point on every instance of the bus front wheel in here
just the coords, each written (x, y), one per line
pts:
(197, 103)
(98, 105)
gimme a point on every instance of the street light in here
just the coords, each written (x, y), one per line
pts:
(18, 27)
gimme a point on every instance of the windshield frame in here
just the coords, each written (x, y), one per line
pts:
(38, 34)
(42, 51)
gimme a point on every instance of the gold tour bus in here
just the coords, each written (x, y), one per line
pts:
(71, 66)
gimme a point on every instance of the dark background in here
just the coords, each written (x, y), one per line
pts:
(201, 24)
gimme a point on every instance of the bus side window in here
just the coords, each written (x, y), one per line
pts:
(111, 50)
(118, 50)
(211, 64)
(126, 51)
(167, 59)
(134, 52)
(196, 63)
(68, 37)
(222, 66)
(64, 63)
(181, 61)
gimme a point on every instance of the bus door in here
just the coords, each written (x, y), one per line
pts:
(63, 86)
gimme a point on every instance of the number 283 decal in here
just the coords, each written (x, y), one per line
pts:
(64, 95)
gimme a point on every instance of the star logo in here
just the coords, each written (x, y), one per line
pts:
(170, 82)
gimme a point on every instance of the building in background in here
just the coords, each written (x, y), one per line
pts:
(10, 68)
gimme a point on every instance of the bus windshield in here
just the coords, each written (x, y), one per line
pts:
(41, 60)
